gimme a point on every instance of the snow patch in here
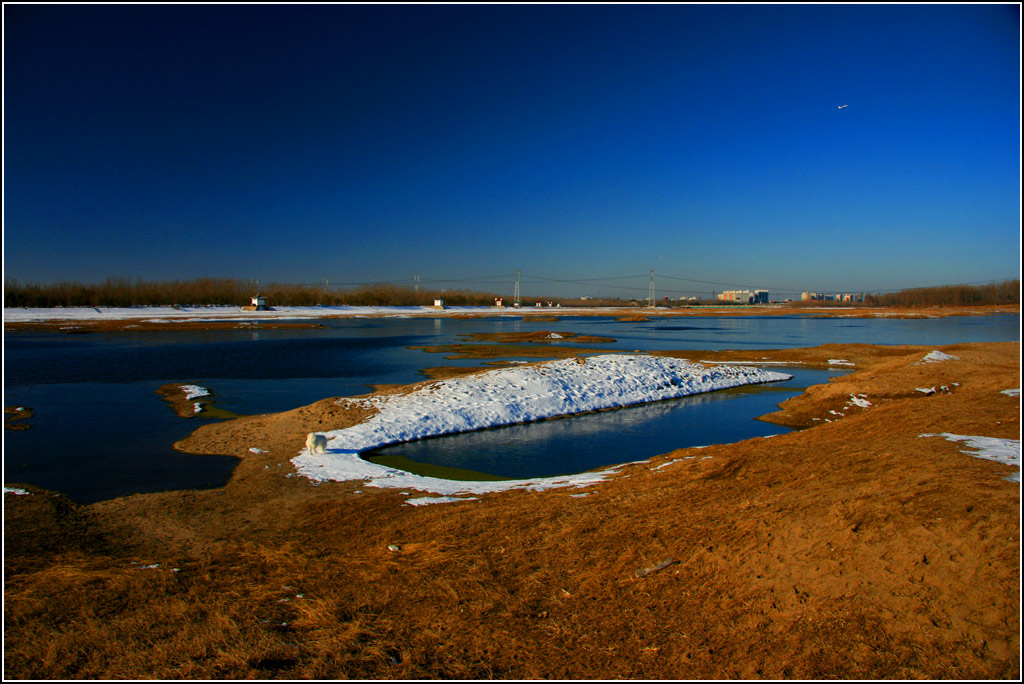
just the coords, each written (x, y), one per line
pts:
(16, 491)
(990, 448)
(840, 362)
(194, 391)
(507, 396)
(1011, 392)
(937, 356)
(666, 464)
(171, 314)
(427, 500)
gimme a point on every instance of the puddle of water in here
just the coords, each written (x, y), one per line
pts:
(576, 444)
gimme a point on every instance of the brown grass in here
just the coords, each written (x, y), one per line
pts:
(855, 549)
(14, 415)
(175, 398)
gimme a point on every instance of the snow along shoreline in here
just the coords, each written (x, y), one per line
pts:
(504, 397)
(196, 314)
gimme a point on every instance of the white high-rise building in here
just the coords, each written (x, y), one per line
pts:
(744, 296)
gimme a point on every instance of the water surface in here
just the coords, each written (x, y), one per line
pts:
(564, 446)
(101, 431)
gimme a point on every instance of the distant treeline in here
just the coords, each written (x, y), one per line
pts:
(1006, 292)
(118, 292)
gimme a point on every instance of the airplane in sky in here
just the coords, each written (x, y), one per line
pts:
(841, 106)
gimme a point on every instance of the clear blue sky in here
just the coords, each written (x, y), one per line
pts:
(371, 143)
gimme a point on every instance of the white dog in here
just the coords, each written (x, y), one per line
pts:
(317, 444)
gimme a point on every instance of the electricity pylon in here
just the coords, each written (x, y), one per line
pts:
(515, 298)
(650, 292)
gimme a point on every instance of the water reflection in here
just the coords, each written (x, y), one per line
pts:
(578, 443)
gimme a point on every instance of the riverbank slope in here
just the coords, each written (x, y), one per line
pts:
(869, 546)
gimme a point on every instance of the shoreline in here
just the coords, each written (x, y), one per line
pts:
(869, 545)
(503, 397)
(81, 320)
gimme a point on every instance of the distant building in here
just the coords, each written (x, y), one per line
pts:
(744, 296)
(741, 296)
(438, 303)
(832, 297)
(497, 301)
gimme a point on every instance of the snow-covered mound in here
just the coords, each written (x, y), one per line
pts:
(937, 357)
(507, 396)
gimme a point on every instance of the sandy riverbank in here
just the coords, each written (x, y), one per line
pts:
(857, 548)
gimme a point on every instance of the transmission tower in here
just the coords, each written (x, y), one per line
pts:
(650, 292)
(416, 287)
(515, 299)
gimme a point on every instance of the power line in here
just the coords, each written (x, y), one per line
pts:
(503, 279)
(585, 280)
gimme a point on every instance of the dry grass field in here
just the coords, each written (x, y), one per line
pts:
(853, 549)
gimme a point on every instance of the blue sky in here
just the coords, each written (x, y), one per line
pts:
(573, 142)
